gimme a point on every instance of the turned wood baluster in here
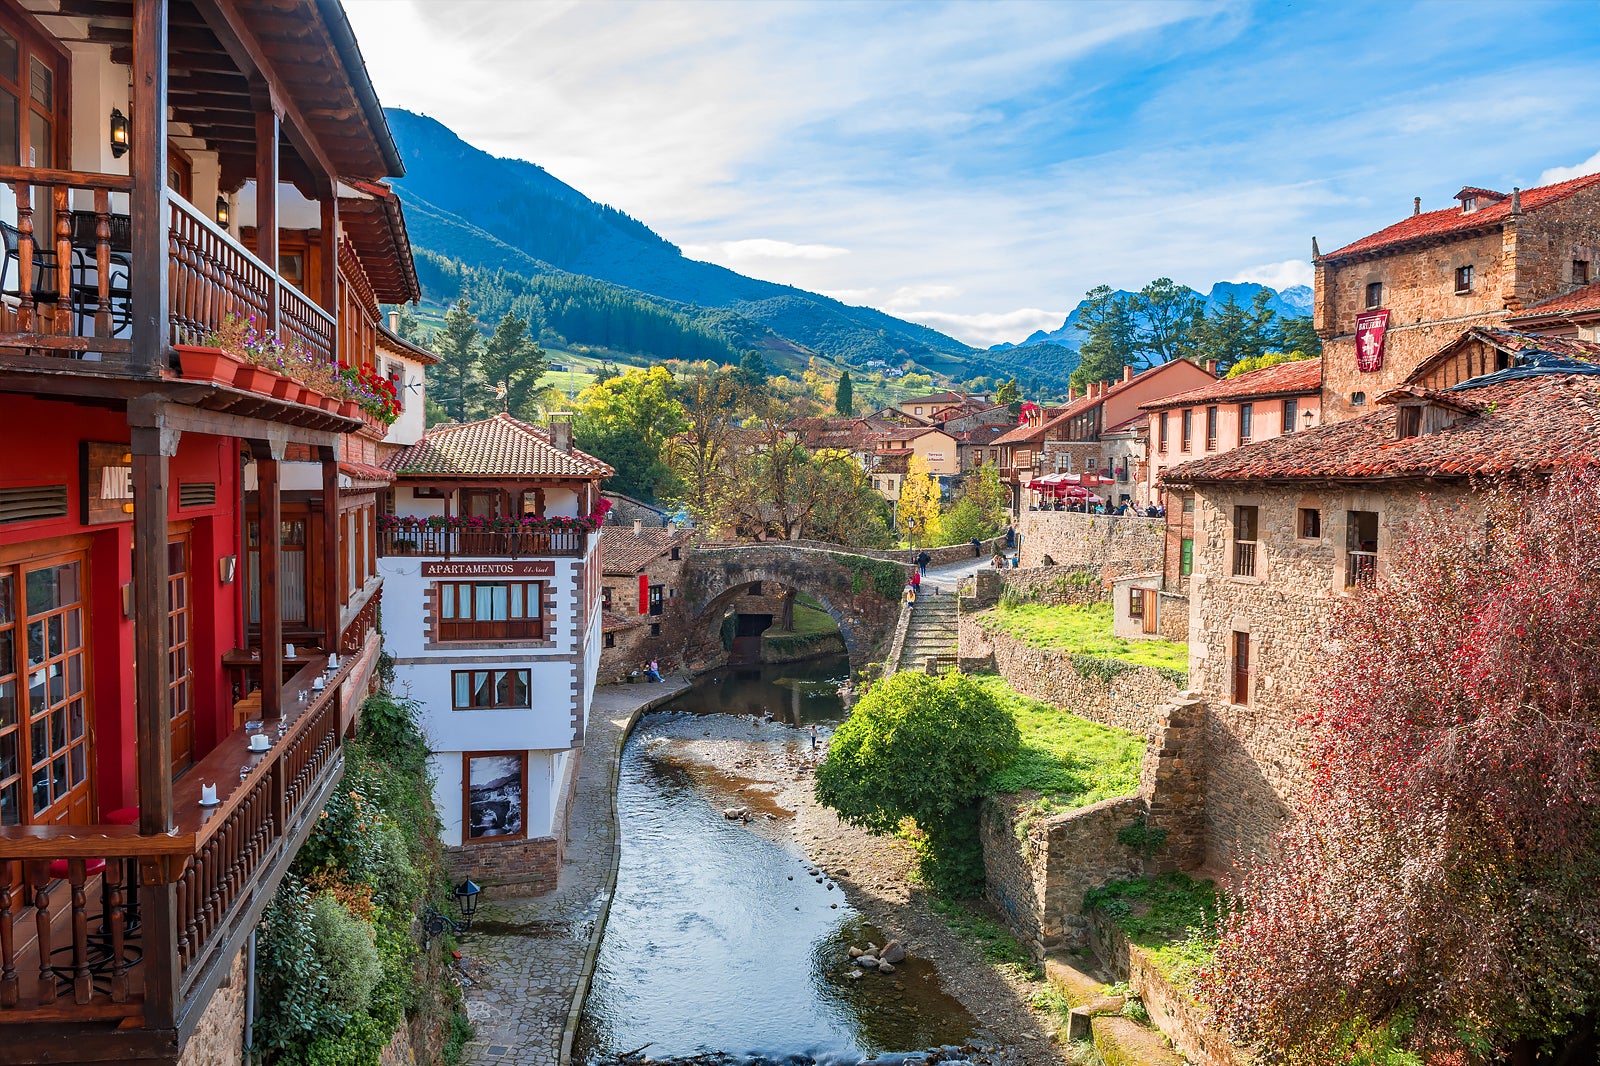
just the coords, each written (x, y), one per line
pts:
(102, 262)
(26, 307)
(63, 234)
(114, 922)
(39, 874)
(82, 987)
(196, 903)
(185, 918)
(10, 992)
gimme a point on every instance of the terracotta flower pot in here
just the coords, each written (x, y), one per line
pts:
(254, 379)
(207, 364)
(330, 404)
(350, 409)
(285, 388)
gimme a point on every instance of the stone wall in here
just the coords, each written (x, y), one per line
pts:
(1256, 747)
(1038, 869)
(218, 1038)
(1173, 783)
(1110, 545)
(1055, 586)
(1172, 1011)
(1131, 699)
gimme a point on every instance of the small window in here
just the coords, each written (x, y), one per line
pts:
(1211, 428)
(605, 597)
(1162, 436)
(655, 629)
(755, 588)
(1186, 557)
(1241, 669)
(1188, 428)
(656, 599)
(1580, 272)
(1310, 523)
(1361, 547)
(490, 689)
(1358, 399)
(1291, 414)
(1410, 424)
(1463, 280)
(1245, 522)
(677, 553)
(1247, 418)
(611, 640)
(1136, 603)
(490, 611)
(1374, 294)
(1188, 505)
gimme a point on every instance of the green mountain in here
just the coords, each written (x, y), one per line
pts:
(511, 237)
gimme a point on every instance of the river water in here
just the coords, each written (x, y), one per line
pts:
(722, 938)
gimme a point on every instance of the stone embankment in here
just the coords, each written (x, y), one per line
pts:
(1110, 545)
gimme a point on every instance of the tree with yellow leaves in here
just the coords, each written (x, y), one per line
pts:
(918, 514)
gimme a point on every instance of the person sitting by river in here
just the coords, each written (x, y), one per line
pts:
(653, 671)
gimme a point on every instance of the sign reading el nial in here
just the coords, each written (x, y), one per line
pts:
(507, 569)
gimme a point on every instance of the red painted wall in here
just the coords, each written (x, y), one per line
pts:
(41, 439)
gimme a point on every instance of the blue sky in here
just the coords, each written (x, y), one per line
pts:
(978, 167)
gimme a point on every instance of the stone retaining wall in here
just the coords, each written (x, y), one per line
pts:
(1131, 699)
(1056, 586)
(1172, 1011)
(1109, 545)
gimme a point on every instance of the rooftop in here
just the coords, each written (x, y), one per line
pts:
(1024, 434)
(1578, 301)
(624, 552)
(1434, 224)
(502, 446)
(1530, 417)
(1303, 376)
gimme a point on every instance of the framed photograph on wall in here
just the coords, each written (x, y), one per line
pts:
(495, 789)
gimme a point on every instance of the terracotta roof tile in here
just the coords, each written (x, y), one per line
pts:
(1284, 379)
(1525, 419)
(622, 551)
(365, 473)
(1023, 434)
(1586, 298)
(501, 446)
(1431, 224)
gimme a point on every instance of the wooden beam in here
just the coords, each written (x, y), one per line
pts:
(267, 206)
(245, 49)
(270, 525)
(148, 201)
(328, 238)
(333, 588)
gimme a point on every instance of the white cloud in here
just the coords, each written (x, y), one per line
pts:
(730, 253)
(1279, 276)
(1555, 174)
(989, 327)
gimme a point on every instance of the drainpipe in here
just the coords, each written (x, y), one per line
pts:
(250, 997)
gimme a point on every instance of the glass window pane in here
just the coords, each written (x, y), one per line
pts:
(77, 763)
(75, 719)
(36, 700)
(41, 83)
(35, 643)
(58, 777)
(43, 590)
(8, 56)
(463, 688)
(8, 651)
(177, 557)
(41, 788)
(58, 684)
(7, 612)
(39, 740)
(58, 730)
(74, 630)
(518, 689)
(516, 601)
(10, 811)
(56, 642)
(10, 142)
(447, 601)
(8, 755)
(8, 704)
(67, 582)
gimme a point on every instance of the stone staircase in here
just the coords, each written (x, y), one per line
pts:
(932, 632)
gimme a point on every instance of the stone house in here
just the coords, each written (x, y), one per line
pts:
(641, 610)
(935, 405)
(892, 451)
(1575, 314)
(1285, 528)
(1400, 293)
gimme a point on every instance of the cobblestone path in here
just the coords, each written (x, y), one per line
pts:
(524, 957)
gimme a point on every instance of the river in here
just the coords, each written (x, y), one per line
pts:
(722, 937)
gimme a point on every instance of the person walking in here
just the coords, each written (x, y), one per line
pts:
(813, 738)
(1011, 536)
(923, 560)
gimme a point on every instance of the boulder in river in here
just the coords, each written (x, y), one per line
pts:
(894, 952)
(885, 967)
(856, 953)
(733, 814)
(867, 962)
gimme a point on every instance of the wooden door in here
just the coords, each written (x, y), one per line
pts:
(49, 739)
(1149, 618)
(180, 659)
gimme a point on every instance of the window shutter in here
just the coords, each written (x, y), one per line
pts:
(32, 503)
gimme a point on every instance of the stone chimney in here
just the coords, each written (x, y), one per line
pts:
(1416, 205)
(1127, 373)
(561, 430)
(1211, 367)
(394, 321)
(638, 527)
(672, 529)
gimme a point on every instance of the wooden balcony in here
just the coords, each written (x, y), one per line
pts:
(69, 285)
(448, 543)
(133, 932)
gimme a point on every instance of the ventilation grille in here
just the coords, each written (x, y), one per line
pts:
(32, 503)
(197, 494)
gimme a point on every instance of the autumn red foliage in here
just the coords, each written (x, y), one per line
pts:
(1443, 873)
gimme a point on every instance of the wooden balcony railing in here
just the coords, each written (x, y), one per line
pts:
(93, 956)
(450, 542)
(66, 277)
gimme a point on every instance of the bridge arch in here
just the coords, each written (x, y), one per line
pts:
(861, 594)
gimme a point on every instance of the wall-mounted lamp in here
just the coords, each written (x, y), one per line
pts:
(227, 567)
(119, 133)
(223, 216)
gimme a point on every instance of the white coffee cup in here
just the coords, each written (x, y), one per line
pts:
(259, 742)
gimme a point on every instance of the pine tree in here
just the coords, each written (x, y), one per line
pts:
(456, 382)
(1112, 343)
(844, 399)
(513, 363)
(753, 371)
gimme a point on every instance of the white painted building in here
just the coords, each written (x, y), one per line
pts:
(492, 614)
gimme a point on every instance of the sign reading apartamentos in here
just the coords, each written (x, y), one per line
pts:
(515, 569)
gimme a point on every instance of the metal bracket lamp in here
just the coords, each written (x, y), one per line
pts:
(434, 922)
(119, 133)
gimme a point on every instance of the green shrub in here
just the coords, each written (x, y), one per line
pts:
(919, 747)
(394, 878)
(293, 983)
(347, 949)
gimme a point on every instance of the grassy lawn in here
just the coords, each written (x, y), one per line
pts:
(1173, 917)
(1074, 762)
(1084, 630)
(808, 621)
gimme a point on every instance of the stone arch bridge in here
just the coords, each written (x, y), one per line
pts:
(860, 593)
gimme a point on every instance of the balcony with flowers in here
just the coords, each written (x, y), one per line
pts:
(504, 537)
